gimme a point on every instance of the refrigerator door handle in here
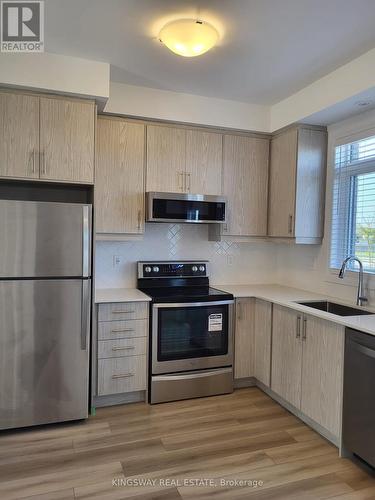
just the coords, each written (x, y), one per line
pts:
(85, 327)
(86, 232)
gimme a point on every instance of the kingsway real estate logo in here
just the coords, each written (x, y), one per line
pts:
(22, 26)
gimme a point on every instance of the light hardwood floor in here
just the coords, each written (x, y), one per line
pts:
(242, 436)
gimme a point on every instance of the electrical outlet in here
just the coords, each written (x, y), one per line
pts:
(116, 261)
(229, 259)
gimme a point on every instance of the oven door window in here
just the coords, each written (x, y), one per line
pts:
(192, 332)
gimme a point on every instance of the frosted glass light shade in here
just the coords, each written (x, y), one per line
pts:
(188, 37)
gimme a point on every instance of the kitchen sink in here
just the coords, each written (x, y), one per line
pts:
(333, 308)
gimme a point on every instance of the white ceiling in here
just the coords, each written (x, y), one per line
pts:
(269, 49)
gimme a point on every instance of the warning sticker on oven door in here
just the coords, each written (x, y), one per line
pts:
(215, 322)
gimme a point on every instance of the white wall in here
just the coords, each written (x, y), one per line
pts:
(230, 263)
(56, 73)
(353, 78)
(307, 267)
(188, 108)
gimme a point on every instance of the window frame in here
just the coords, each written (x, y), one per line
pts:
(358, 167)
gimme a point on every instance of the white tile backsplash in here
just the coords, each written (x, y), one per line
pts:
(234, 263)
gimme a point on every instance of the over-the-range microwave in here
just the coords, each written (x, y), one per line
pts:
(185, 207)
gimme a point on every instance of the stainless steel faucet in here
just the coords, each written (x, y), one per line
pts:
(361, 299)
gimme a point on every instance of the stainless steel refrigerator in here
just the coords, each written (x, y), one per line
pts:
(45, 288)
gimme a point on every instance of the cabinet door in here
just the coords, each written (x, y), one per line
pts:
(19, 135)
(203, 162)
(67, 140)
(119, 177)
(322, 372)
(262, 341)
(286, 354)
(282, 185)
(166, 153)
(244, 339)
(246, 184)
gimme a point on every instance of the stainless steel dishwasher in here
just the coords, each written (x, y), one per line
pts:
(359, 396)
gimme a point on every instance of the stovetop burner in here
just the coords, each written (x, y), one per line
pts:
(178, 281)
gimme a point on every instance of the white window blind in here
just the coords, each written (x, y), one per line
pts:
(353, 210)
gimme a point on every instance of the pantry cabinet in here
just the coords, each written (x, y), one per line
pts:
(46, 138)
(297, 184)
(307, 365)
(119, 176)
(19, 136)
(244, 339)
(181, 160)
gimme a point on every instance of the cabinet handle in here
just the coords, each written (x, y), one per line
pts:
(125, 348)
(304, 329)
(139, 219)
(239, 315)
(187, 184)
(123, 375)
(180, 180)
(123, 330)
(42, 161)
(290, 224)
(298, 334)
(32, 161)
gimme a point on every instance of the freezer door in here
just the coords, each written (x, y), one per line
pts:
(43, 239)
(44, 348)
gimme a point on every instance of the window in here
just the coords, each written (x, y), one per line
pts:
(353, 211)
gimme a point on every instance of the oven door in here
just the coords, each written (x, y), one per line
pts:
(191, 336)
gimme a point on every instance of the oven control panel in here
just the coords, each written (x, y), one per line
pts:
(182, 269)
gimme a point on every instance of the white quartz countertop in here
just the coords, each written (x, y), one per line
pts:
(104, 295)
(278, 294)
(286, 296)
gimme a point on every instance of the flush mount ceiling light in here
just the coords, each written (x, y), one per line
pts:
(188, 37)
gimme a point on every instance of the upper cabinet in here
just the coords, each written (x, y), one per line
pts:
(46, 138)
(19, 135)
(67, 140)
(183, 161)
(166, 148)
(119, 176)
(297, 184)
(246, 185)
(203, 162)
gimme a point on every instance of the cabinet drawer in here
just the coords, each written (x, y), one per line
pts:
(124, 310)
(122, 329)
(121, 348)
(119, 375)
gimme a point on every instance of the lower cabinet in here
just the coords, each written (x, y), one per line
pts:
(262, 341)
(286, 354)
(307, 365)
(322, 372)
(253, 339)
(121, 374)
(244, 338)
(122, 348)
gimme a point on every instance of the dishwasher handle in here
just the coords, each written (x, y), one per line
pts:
(362, 349)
